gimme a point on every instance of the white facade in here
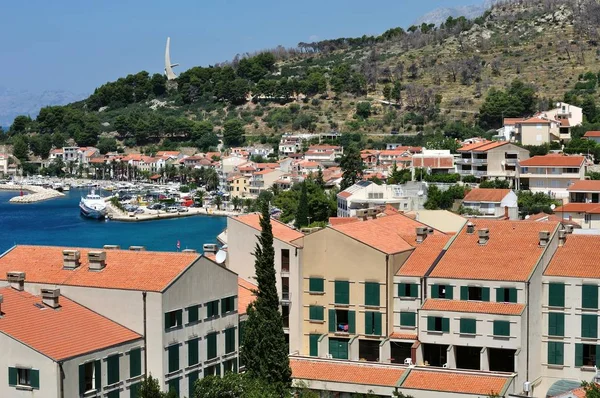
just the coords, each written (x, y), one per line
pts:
(365, 195)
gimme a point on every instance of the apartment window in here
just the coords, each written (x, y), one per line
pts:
(89, 377)
(372, 294)
(408, 319)
(438, 324)
(315, 313)
(589, 296)
(442, 291)
(524, 170)
(587, 218)
(285, 260)
(585, 354)
(211, 345)
(193, 312)
(556, 324)
(506, 295)
(556, 352)
(173, 319)
(475, 293)
(342, 321)
(468, 326)
(313, 342)
(373, 323)
(174, 386)
(227, 305)
(342, 292)
(501, 328)
(214, 370)
(173, 355)
(285, 288)
(212, 309)
(408, 290)
(192, 377)
(589, 325)
(193, 352)
(134, 390)
(338, 348)
(316, 285)
(113, 394)
(556, 294)
(285, 315)
(112, 369)
(230, 366)
(24, 377)
(229, 340)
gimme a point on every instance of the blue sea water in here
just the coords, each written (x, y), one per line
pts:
(57, 222)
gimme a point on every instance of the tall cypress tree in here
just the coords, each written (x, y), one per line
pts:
(264, 350)
(302, 211)
(352, 167)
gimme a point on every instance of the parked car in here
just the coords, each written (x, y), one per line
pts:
(183, 209)
(172, 209)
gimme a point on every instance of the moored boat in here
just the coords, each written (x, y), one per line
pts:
(93, 206)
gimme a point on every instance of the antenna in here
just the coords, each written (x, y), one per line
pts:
(221, 256)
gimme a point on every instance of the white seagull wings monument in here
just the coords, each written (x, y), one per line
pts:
(168, 65)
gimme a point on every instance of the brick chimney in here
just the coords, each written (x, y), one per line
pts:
(50, 297)
(97, 260)
(470, 228)
(421, 234)
(16, 279)
(71, 259)
(484, 236)
(562, 237)
(569, 228)
(544, 238)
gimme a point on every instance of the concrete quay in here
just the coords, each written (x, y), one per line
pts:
(116, 214)
(36, 194)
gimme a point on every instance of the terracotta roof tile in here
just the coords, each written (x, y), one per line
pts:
(510, 121)
(585, 186)
(490, 145)
(470, 147)
(592, 134)
(479, 307)
(438, 162)
(456, 382)
(554, 160)
(125, 269)
(589, 208)
(535, 120)
(68, 331)
(403, 336)
(578, 258)
(245, 295)
(423, 257)
(346, 372)
(344, 194)
(280, 230)
(486, 195)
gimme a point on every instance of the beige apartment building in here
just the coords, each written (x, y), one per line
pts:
(491, 159)
(239, 186)
(552, 174)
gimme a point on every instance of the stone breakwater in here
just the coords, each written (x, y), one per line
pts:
(36, 194)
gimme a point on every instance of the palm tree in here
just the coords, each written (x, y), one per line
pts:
(199, 196)
(211, 179)
(218, 201)
(236, 201)
(275, 189)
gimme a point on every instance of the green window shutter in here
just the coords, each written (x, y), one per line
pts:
(372, 293)
(314, 345)
(167, 321)
(589, 325)
(431, 323)
(192, 377)
(193, 352)
(464, 292)
(499, 294)
(377, 318)
(401, 289)
(578, 354)
(512, 294)
(408, 319)
(315, 313)
(589, 296)
(134, 390)
(414, 290)
(81, 378)
(332, 325)
(135, 362)
(449, 292)
(112, 364)
(501, 328)
(174, 385)
(342, 292)
(316, 285)
(445, 325)
(351, 322)
(211, 346)
(98, 373)
(468, 325)
(556, 324)
(12, 377)
(485, 294)
(193, 314)
(556, 294)
(369, 323)
(34, 375)
(435, 290)
(113, 394)
(173, 358)
(229, 340)
(179, 317)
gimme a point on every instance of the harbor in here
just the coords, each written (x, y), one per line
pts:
(30, 193)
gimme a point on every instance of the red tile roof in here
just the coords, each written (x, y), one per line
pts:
(280, 230)
(263, 172)
(403, 336)
(585, 186)
(68, 331)
(490, 145)
(456, 382)
(511, 253)
(592, 134)
(344, 194)
(245, 295)
(578, 258)
(478, 307)
(423, 257)
(534, 120)
(346, 372)
(512, 120)
(554, 160)
(589, 208)
(486, 195)
(342, 220)
(438, 162)
(470, 147)
(125, 269)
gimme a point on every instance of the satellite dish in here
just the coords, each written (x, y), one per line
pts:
(527, 217)
(221, 256)
(420, 193)
(553, 206)
(223, 247)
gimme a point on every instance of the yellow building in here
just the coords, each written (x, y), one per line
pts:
(239, 186)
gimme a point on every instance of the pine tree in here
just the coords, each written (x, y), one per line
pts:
(319, 180)
(302, 212)
(264, 350)
(352, 167)
(150, 388)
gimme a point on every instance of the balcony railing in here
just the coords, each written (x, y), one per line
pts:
(479, 172)
(511, 161)
(480, 161)
(463, 161)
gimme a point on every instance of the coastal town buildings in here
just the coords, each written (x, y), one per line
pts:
(491, 203)
(366, 195)
(490, 160)
(551, 174)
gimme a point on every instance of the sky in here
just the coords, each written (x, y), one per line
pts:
(76, 45)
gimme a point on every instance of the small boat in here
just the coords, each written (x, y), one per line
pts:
(93, 206)
(66, 187)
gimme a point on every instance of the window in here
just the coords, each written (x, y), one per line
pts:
(408, 319)
(342, 292)
(285, 315)
(193, 313)
(173, 319)
(506, 295)
(89, 377)
(227, 305)
(408, 290)
(438, 324)
(112, 369)
(212, 309)
(556, 353)
(214, 370)
(134, 390)
(211, 346)
(338, 348)
(589, 325)
(173, 358)
(313, 342)
(589, 296)
(229, 340)
(372, 294)
(230, 366)
(442, 291)
(475, 293)
(468, 326)
(113, 394)
(193, 352)
(585, 354)
(341, 321)
(556, 294)
(315, 313)
(174, 386)
(285, 260)
(285, 288)
(373, 323)
(24, 377)
(315, 285)
(556, 324)
(192, 377)
(501, 328)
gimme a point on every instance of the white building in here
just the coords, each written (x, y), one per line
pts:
(367, 194)
(492, 203)
(552, 174)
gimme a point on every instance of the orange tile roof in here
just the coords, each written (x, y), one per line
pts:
(554, 160)
(578, 258)
(470, 147)
(262, 172)
(346, 372)
(478, 307)
(342, 220)
(125, 269)
(456, 382)
(344, 194)
(534, 120)
(486, 195)
(589, 208)
(280, 230)
(490, 145)
(245, 295)
(390, 234)
(592, 134)
(512, 120)
(511, 253)
(424, 255)
(403, 336)
(585, 186)
(438, 162)
(66, 332)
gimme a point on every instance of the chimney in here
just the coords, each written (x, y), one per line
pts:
(50, 297)
(506, 212)
(562, 237)
(484, 236)
(421, 234)
(372, 212)
(569, 228)
(111, 247)
(544, 238)
(429, 231)
(137, 248)
(97, 260)
(71, 259)
(470, 228)
(16, 279)
(189, 251)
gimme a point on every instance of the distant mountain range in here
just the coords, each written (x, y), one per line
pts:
(23, 102)
(440, 15)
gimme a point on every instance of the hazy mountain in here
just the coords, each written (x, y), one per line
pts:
(23, 102)
(440, 15)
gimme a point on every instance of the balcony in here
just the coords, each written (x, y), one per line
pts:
(479, 173)
(465, 172)
(463, 161)
(480, 161)
(511, 161)
(286, 296)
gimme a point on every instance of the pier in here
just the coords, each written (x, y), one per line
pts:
(36, 194)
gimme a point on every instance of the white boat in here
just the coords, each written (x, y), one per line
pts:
(93, 206)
